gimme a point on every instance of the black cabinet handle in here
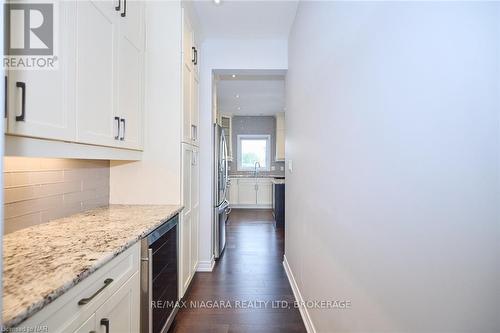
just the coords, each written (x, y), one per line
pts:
(119, 7)
(117, 136)
(6, 91)
(123, 135)
(124, 8)
(105, 323)
(84, 301)
(194, 60)
(22, 85)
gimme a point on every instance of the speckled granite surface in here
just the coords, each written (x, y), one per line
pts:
(42, 262)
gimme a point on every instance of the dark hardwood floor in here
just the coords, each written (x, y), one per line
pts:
(250, 272)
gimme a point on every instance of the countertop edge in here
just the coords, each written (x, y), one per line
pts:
(51, 297)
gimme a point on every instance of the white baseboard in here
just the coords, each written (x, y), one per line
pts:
(304, 312)
(206, 265)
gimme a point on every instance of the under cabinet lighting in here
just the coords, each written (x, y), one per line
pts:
(234, 75)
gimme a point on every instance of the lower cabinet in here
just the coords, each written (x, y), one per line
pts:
(247, 192)
(87, 326)
(106, 301)
(189, 223)
(233, 191)
(119, 313)
(250, 193)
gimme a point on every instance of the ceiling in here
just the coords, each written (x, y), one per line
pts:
(245, 19)
(251, 93)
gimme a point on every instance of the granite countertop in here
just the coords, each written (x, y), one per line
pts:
(42, 262)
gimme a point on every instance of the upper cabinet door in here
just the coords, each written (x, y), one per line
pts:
(97, 38)
(187, 72)
(130, 81)
(195, 117)
(49, 95)
(187, 41)
(187, 84)
(132, 22)
(280, 136)
(130, 101)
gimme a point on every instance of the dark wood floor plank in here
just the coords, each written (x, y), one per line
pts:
(250, 271)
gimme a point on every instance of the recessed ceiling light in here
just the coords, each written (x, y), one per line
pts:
(217, 2)
(239, 108)
(237, 96)
(234, 75)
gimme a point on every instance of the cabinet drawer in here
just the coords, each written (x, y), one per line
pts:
(66, 315)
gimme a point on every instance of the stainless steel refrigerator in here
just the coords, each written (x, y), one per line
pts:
(221, 183)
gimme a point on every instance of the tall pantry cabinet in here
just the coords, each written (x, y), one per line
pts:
(189, 226)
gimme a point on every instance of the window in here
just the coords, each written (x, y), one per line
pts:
(252, 149)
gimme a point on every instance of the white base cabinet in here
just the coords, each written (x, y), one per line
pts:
(189, 224)
(250, 193)
(117, 305)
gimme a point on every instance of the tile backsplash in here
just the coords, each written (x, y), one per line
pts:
(37, 190)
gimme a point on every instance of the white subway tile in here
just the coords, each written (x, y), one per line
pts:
(21, 222)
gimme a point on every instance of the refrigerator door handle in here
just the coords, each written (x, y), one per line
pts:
(225, 163)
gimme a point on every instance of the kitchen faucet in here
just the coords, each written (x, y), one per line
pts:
(255, 172)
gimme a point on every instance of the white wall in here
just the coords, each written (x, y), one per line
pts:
(156, 179)
(398, 104)
(225, 54)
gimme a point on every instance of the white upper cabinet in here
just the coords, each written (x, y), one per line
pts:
(280, 136)
(190, 84)
(130, 79)
(110, 62)
(187, 72)
(132, 22)
(97, 32)
(48, 95)
(226, 124)
(96, 95)
(195, 118)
